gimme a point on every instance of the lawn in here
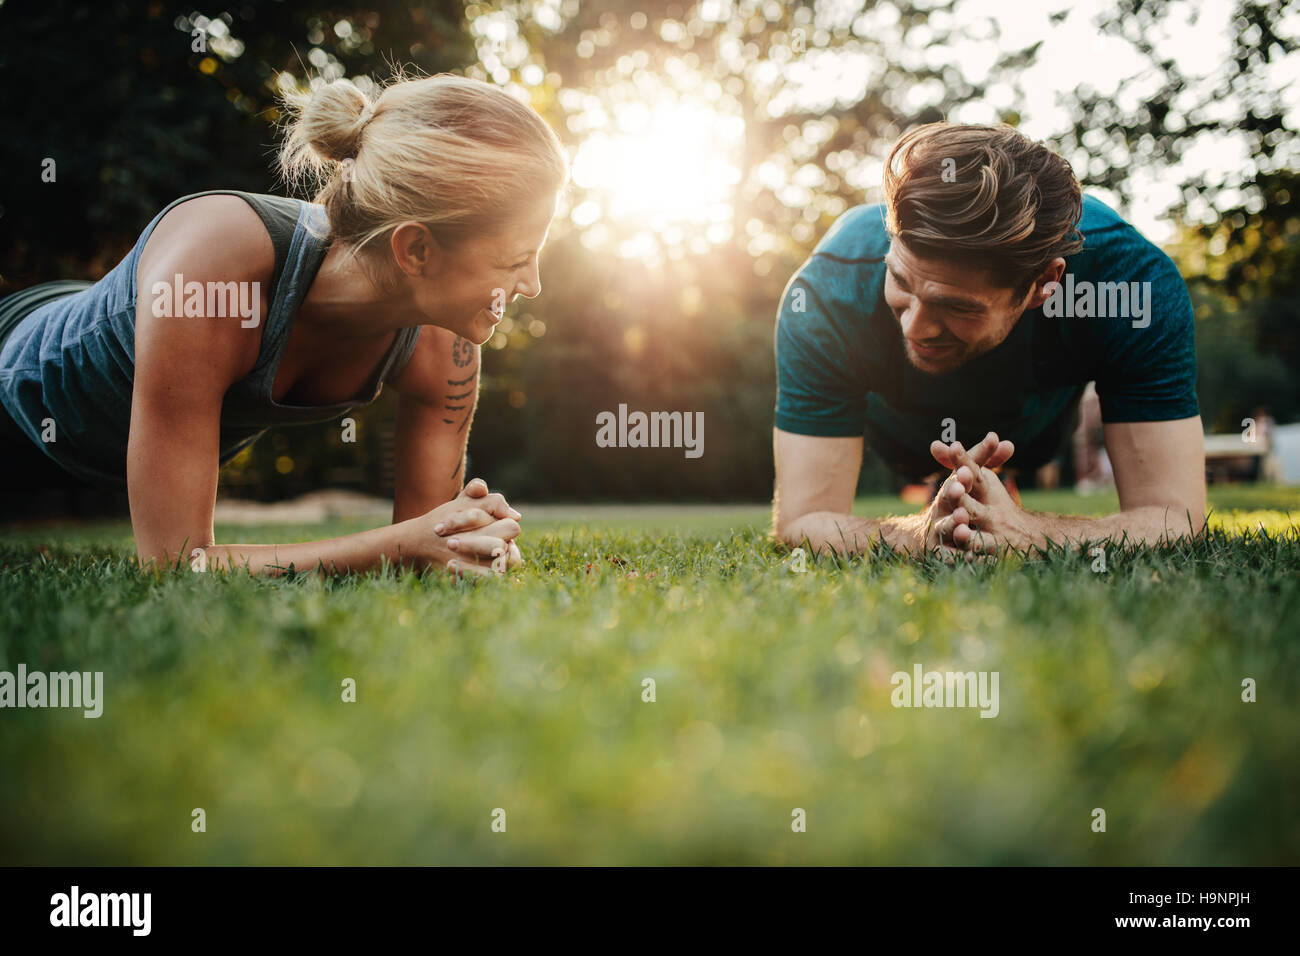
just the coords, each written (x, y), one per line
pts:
(1119, 690)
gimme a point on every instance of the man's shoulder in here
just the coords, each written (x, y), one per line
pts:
(858, 237)
(1112, 244)
(1128, 314)
(1098, 217)
(1116, 253)
(846, 268)
(1122, 299)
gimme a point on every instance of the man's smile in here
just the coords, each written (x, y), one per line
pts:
(933, 351)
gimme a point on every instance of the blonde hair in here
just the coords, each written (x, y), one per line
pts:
(462, 156)
(984, 195)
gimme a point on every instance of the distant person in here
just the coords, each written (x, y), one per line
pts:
(1091, 466)
(236, 312)
(1264, 465)
(976, 303)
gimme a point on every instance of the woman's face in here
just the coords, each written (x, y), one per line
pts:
(470, 285)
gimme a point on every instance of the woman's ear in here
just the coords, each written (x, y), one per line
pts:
(416, 251)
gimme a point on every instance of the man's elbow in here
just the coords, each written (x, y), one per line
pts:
(1183, 520)
(788, 530)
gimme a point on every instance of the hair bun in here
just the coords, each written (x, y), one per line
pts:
(330, 120)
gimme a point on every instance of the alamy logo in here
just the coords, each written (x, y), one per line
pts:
(102, 909)
(655, 430)
(1101, 300)
(924, 688)
(208, 299)
(59, 689)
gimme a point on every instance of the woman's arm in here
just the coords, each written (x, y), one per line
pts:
(183, 367)
(437, 392)
(429, 540)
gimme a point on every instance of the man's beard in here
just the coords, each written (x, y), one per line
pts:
(958, 354)
(954, 357)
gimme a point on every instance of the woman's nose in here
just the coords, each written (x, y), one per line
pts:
(530, 287)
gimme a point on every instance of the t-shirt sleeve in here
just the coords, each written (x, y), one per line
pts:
(1148, 372)
(820, 371)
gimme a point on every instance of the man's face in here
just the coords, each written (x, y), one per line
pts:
(948, 313)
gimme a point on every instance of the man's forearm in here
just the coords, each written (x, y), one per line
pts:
(1145, 525)
(850, 535)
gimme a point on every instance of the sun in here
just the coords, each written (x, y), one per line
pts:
(662, 174)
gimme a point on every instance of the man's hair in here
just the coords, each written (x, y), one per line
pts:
(984, 196)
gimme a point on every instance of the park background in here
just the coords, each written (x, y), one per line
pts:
(714, 144)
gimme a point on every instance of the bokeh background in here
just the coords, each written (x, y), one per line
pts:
(713, 143)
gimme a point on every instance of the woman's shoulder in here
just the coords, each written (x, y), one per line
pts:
(220, 245)
(219, 233)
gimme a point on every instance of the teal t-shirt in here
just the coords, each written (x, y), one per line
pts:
(841, 369)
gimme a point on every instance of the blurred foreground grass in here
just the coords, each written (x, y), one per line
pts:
(1119, 690)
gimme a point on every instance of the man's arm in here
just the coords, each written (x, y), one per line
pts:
(815, 481)
(1159, 474)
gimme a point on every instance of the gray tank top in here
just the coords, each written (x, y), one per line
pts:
(67, 351)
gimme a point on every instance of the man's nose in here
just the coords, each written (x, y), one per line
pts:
(919, 323)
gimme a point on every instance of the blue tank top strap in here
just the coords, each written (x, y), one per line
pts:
(280, 216)
(403, 349)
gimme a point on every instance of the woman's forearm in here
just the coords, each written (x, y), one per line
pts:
(363, 551)
(473, 534)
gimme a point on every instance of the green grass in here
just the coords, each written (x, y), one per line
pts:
(1119, 690)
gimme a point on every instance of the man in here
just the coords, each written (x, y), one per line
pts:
(978, 301)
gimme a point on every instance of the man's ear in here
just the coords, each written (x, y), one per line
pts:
(416, 251)
(1040, 292)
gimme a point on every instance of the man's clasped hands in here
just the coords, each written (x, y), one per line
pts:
(973, 513)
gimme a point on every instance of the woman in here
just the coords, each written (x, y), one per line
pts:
(235, 312)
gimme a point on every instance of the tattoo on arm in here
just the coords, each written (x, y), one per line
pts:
(463, 355)
(462, 351)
